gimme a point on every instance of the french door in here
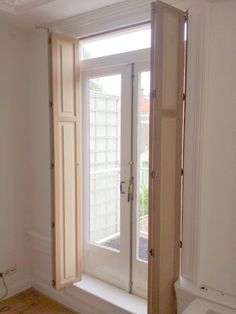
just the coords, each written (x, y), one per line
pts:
(116, 156)
(115, 150)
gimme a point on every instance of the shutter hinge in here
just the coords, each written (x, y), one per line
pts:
(153, 174)
(186, 16)
(53, 283)
(52, 166)
(151, 252)
(53, 225)
(131, 285)
(184, 97)
(49, 40)
(154, 93)
(153, 7)
(181, 244)
(50, 104)
(182, 171)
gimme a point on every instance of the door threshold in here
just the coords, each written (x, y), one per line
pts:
(112, 295)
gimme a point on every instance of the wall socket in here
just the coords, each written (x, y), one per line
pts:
(8, 272)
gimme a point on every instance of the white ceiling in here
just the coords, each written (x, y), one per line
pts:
(31, 12)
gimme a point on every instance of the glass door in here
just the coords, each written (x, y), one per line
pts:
(107, 153)
(116, 102)
(141, 113)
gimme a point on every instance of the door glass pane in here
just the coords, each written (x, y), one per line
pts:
(143, 165)
(104, 159)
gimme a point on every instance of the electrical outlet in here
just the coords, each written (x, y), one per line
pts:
(9, 271)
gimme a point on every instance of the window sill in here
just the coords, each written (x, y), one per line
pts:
(112, 295)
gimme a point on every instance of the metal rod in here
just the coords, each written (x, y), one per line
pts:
(131, 179)
(183, 134)
(38, 27)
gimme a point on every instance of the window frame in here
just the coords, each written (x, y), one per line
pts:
(115, 32)
(139, 266)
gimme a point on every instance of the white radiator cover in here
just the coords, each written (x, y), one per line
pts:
(205, 307)
(195, 300)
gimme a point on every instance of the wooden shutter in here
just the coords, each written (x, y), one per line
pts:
(66, 163)
(167, 75)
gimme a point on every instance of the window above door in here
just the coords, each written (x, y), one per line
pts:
(116, 42)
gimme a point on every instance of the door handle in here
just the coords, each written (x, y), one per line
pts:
(121, 187)
(130, 190)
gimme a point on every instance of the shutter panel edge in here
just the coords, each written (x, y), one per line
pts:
(166, 120)
(66, 172)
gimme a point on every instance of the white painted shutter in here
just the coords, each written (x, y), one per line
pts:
(66, 163)
(167, 71)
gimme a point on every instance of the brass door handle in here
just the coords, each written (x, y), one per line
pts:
(131, 190)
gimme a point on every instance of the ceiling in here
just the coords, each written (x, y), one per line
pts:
(42, 12)
(31, 12)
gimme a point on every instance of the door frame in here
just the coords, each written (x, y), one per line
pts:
(112, 265)
(139, 267)
(102, 67)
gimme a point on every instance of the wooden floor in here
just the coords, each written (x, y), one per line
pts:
(32, 302)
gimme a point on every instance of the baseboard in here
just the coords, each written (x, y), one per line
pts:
(58, 296)
(15, 289)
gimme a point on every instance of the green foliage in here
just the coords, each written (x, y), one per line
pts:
(143, 201)
(95, 86)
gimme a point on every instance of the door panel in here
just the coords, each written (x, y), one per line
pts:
(141, 177)
(143, 164)
(67, 172)
(106, 160)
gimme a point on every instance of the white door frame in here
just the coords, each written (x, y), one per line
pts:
(139, 267)
(111, 265)
(102, 67)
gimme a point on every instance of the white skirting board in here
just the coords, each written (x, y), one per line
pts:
(14, 289)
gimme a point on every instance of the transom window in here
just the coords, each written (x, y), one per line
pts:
(135, 38)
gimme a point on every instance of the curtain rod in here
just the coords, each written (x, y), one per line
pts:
(38, 27)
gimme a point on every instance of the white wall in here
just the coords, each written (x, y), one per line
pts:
(15, 214)
(39, 135)
(218, 203)
(209, 230)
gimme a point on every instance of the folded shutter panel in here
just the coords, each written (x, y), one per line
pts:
(66, 163)
(167, 74)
